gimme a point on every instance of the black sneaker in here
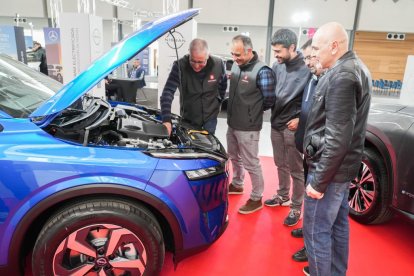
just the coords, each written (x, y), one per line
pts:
(300, 256)
(306, 270)
(277, 200)
(293, 218)
(297, 233)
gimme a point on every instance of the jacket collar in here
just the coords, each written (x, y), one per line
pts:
(250, 62)
(298, 60)
(348, 55)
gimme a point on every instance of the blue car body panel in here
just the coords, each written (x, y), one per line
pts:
(37, 169)
(121, 52)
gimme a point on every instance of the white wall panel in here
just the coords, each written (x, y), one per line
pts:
(387, 16)
(24, 8)
(145, 5)
(220, 42)
(238, 12)
(320, 12)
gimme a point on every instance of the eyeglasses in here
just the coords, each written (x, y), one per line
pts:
(197, 62)
(308, 58)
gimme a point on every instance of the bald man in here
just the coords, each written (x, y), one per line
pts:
(333, 146)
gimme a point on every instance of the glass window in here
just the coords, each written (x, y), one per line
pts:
(23, 89)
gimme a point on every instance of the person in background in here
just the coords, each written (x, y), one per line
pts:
(307, 100)
(137, 72)
(252, 91)
(291, 77)
(333, 147)
(112, 90)
(41, 56)
(202, 81)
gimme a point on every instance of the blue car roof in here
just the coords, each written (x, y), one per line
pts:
(120, 53)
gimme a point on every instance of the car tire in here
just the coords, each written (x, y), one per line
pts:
(99, 236)
(370, 192)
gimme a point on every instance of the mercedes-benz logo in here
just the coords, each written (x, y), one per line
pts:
(53, 35)
(179, 40)
(101, 261)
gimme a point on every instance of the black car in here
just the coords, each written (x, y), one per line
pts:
(385, 180)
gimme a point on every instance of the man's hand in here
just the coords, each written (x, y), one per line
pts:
(293, 124)
(311, 192)
(168, 126)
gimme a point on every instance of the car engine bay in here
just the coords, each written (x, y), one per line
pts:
(95, 122)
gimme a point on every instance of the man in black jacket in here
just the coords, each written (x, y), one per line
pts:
(291, 77)
(202, 81)
(333, 147)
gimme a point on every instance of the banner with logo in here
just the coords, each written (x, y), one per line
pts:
(53, 53)
(12, 42)
(82, 43)
(167, 55)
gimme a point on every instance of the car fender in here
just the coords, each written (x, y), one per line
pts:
(131, 189)
(375, 138)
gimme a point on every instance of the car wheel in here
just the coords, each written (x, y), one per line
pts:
(370, 192)
(99, 237)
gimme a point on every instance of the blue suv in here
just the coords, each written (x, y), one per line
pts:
(89, 187)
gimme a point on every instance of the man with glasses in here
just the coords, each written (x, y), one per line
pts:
(333, 147)
(307, 100)
(291, 77)
(202, 81)
(252, 90)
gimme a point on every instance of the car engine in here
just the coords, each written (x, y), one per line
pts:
(95, 122)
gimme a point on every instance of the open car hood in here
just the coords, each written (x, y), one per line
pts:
(120, 53)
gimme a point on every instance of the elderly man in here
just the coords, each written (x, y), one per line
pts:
(202, 81)
(333, 146)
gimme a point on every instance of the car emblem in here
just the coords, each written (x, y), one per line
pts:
(179, 40)
(53, 36)
(101, 261)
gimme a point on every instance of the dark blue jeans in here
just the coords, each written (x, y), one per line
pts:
(210, 125)
(326, 230)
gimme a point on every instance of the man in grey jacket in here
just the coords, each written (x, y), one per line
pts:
(291, 77)
(252, 91)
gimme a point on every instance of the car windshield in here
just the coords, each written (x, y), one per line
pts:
(22, 89)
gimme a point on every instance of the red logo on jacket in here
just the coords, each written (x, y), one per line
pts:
(212, 78)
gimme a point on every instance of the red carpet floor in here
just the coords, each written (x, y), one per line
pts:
(259, 244)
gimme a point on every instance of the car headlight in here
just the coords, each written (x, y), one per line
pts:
(185, 154)
(204, 172)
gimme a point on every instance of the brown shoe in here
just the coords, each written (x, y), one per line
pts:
(233, 190)
(251, 206)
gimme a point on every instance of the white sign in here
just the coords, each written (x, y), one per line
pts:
(167, 55)
(407, 91)
(82, 43)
